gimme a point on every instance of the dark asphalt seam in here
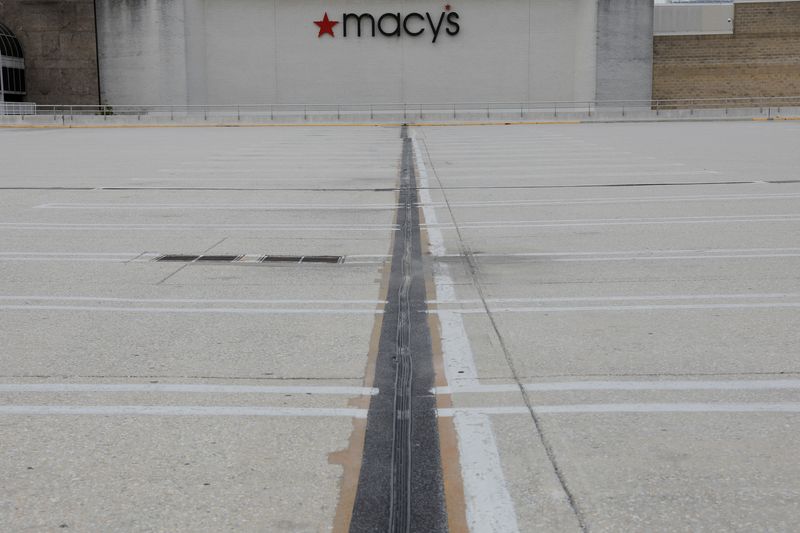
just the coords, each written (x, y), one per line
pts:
(472, 266)
(400, 487)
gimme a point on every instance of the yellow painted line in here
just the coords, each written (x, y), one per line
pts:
(768, 119)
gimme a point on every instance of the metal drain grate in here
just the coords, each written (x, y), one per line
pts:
(322, 259)
(220, 258)
(178, 258)
(280, 259)
(302, 259)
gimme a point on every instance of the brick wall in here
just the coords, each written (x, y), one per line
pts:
(761, 58)
(58, 40)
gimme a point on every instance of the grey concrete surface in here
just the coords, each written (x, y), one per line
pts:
(647, 305)
(638, 281)
(261, 362)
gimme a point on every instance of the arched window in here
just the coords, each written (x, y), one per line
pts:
(12, 65)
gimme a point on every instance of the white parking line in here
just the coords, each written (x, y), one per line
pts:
(192, 310)
(623, 200)
(671, 385)
(670, 257)
(186, 388)
(184, 300)
(455, 174)
(666, 307)
(793, 217)
(643, 253)
(710, 407)
(178, 410)
(652, 297)
(459, 362)
(646, 255)
(75, 254)
(567, 165)
(226, 207)
(184, 227)
(489, 505)
(66, 259)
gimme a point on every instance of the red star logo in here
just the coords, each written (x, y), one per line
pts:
(326, 25)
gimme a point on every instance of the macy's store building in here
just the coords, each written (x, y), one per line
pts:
(348, 51)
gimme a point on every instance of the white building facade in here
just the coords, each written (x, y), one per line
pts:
(286, 51)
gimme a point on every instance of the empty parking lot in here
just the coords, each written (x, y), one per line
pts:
(504, 328)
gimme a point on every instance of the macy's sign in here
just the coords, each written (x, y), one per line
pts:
(392, 24)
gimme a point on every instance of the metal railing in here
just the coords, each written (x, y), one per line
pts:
(406, 111)
(17, 108)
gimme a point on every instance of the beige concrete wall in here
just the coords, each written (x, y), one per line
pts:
(58, 37)
(142, 51)
(268, 51)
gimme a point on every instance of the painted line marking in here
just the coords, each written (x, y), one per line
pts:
(94, 257)
(781, 407)
(191, 310)
(657, 297)
(668, 258)
(623, 222)
(237, 207)
(684, 385)
(593, 165)
(459, 361)
(183, 300)
(623, 200)
(67, 259)
(186, 388)
(630, 252)
(178, 410)
(77, 254)
(180, 227)
(643, 255)
(525, 172)
(544, 309)
(489, 504)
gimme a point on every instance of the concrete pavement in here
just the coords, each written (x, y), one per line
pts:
(639, 283)
(614, 311)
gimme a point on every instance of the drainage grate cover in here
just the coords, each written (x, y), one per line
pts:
(178, 258)
(221, 258)
(321, 259)
(280, 259)
(302, 259)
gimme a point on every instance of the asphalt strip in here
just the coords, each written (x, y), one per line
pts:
(400, 487)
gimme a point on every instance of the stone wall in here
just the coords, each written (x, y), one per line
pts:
(58, 39)
(761, 58)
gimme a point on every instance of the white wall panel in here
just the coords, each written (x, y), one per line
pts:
(268, 51)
